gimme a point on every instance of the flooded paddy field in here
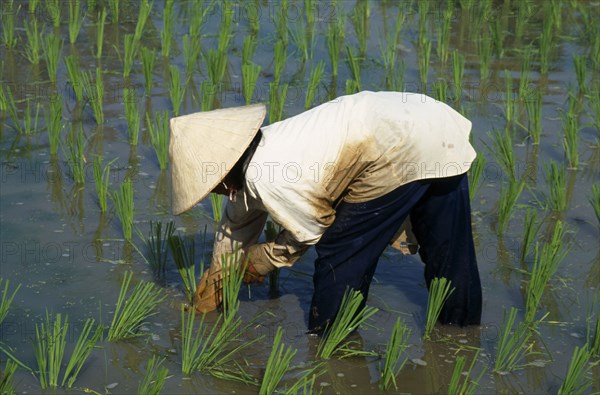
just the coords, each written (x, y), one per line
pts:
(81, 83)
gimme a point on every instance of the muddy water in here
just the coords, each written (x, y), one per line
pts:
(71, 259)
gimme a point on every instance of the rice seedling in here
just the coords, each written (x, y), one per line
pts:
(100, 32)
(524, 80)
(277, 364)
(234, 268)
(509, 99)
(177, 91)
(248, 49)
(350, 316)
(509, 195)
(74, 76)
(53, 9)
(276, 101)
(475, 173)
(305, 385)
(191, 52)
(209, 91)
(154, 379)
(7, 299)
(157, 246)
(216, 202)
(216, 63)
(114, 10)
(461, 382)
(443, 36)
(498, 29)
(50, 344)
(313, 82)
(129, 52)
(595, 200)
(132, 114)
(440, 90)
(514, 345)
(75, 154)
(555, 179)
(94, 89)
(52, 49)
(571, 138)
(534, 114)
(387, 49)
(424, 55)
(159, 136)
(30, 121)
(250, 73)
(577, 381)
(144, 13)
(545, 44)
(580, 68)
(440, 289)
(394, 357)
(183, 251)
(300, 40)
(8, 104)
(502, 149)
(133, 308)
(280, 58)
(33, 48)
(101, 180)
(148, 59)
(354, 67)
(281, 22)
(123, 200)
(211, 350)
(75, 20)
(166, 35)
(6, 379)
(545, 264)
(530, 231)
(226, 28)
(54, 124)
(360, 21)
(423, 10)
(335, 39)
(7, 17)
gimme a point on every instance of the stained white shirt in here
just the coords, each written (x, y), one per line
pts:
(354, 149)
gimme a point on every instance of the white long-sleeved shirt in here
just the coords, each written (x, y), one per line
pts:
(354, 149)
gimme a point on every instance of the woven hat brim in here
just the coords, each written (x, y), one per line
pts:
(205, 146)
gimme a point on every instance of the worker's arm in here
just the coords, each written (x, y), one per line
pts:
(240, 227)
(283, 251)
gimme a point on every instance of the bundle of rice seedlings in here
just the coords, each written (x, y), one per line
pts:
(440, 289)
(277, 364)
(154, 379)
(395, 357)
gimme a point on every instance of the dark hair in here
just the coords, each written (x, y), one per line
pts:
(237, 173)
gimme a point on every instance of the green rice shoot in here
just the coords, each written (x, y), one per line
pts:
(395, 356)
(183, 251)
(177, 91)
(94, 89)
(100, 32)
(216, 202)
(530, 232)
(166, 35)
(133, 308)
(129, 54)
(123, 201)
(556, 181)
(577, 380)
(277, 96)
(74, 76)
(132, 114)
(7, 17)
(440, 290)
(7, 385)
(313, 82)
(503, 150)
(33, 47)
(159, 136)
(475, 173)
(279, 59)
(53, 11)
(335, 40)
(75, 20)
(354, 67)
(75, 153)
(277, 364)
(534, 115)
(250, 73)
(102, 180)
(214, 350)
(144, 13)
(349, 318)
(52, 50)
(509, 195)
(54, 123)
(157, 240)
(154, 379)
(515, 344)
(148, 60)
(461, 381)
(7, 298)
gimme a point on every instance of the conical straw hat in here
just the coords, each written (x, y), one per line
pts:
(204, 147)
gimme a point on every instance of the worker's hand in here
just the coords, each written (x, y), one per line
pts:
(209, 291)
(252, 276)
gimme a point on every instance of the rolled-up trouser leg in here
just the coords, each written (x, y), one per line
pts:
(441, 222)
(348, 252)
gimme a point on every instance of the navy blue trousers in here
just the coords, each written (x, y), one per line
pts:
(440, 212)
